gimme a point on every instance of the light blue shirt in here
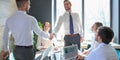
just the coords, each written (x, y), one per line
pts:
(102, 52)
(21, 27)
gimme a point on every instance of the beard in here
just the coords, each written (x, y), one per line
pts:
(67, 9)
(96, 39)
(27, 9)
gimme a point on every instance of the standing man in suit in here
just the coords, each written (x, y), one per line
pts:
(73, 30)
(21, 26)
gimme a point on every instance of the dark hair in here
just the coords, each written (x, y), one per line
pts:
(106, 34)
(44, 24)
(20, 3)
(67, 1)
(98, 24)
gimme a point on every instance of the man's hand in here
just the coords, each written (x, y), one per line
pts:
(5, 54)
(51, 36)
(86, 52)
(80, 57)
(81, 39)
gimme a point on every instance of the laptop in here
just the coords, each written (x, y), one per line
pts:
(70, 52)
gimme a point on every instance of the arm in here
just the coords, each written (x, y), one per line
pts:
(37, 30)
(80, 57)
(5, 38)
(86, 52)
(58, 25)
(39, 42)
(5, 42)
(90, 56)
(80, 27)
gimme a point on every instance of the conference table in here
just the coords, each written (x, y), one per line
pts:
(61, 53)
(52, 54)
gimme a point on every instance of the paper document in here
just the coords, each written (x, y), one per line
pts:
(46, 52)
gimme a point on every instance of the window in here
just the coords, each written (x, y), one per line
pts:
(76, 7)
(93, 11)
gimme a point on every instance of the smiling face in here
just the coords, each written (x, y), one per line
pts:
(67, 5)
(104, 34)
(46, 27)
(94, 28)
(96, 25)
(26, 6)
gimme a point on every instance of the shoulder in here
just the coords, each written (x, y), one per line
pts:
(75, 13)
(95, 51)
(31, 17)
(10, 19)
(64, 15)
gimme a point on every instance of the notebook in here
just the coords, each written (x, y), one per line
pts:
(46, 43)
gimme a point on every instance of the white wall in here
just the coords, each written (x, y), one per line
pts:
(7, 7)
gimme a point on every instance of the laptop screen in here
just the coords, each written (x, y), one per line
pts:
(70, 52)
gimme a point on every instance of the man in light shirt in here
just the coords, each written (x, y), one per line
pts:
(72, 26)
(21, 26)
(104, 51)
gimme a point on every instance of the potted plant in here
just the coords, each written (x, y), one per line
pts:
(35, 36)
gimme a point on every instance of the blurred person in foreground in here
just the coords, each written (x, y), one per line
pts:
(21, 26)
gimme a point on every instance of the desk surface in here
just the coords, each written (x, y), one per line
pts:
(115, 45)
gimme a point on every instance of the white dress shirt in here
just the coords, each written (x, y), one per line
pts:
(94, 43)
(64, 20)
(40, 41)
(103, 52)
(21, 27)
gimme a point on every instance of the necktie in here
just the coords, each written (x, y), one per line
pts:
(71, 24)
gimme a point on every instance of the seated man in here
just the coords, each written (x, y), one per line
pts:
(104, 51)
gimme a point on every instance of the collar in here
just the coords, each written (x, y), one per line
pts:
(19, 11)
(103, 44)
(67, 12)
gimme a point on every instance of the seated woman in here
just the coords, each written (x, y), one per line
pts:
(94, 43)
(43, 43)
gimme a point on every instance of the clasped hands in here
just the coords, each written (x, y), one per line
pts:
(51, 36)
